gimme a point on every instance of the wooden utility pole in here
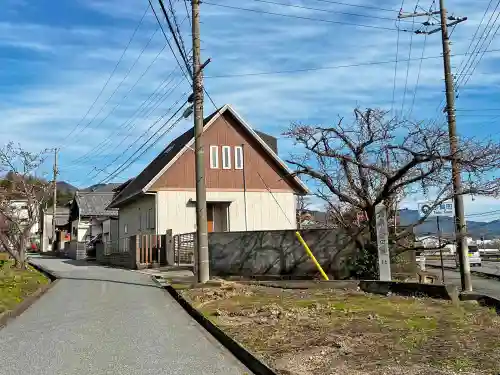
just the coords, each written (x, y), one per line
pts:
(54, 203)
(460, 228)
(460, 224)
(201, 193)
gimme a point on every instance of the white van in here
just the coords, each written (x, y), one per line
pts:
(474, 256)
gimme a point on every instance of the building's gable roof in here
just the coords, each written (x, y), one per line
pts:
(95, 204)
(178, 146)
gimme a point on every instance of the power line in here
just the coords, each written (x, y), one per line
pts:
(473, 56)
(326, 10)
(188, 13)
(168, 42)
(130, 162)
(396, 61)
(358, 5)
(143, 109)
(408, 62)
(118, 87)
(108, 80)
(178, 29)
(132, 126)
(333, 67)
(131, 158)
(421, 60)
(300, 17)
(178, 43)
(481, 57)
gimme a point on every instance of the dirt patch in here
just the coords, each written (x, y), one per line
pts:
(16, 285)
(347, 332)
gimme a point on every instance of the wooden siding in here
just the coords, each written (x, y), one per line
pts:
(181, 175)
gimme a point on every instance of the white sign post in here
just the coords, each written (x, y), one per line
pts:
(384, 260)
(427, 209)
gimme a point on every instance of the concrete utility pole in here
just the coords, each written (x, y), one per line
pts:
(201, 193)
(54, 203)
(460, 225)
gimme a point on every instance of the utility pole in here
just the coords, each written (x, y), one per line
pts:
(201, 193)
(54, 203)
(460, 224)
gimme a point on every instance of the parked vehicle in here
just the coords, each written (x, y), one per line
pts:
(91, 246)
(474, 256)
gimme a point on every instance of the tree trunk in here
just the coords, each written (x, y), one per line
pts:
(20, 257)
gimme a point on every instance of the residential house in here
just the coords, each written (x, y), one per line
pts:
(63, 228)
(90, 216)
(248, 186)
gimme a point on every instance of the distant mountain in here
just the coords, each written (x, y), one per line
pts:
(476, 229)
(64, 187)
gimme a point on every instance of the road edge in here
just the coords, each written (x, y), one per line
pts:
(484, 275)
(239, 351)
(8, 316)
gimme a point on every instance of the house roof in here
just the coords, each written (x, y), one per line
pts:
(95, 203)
(144, 180)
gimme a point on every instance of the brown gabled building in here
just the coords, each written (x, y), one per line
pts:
(241, 168)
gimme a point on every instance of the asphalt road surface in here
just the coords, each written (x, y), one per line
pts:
(486, 267)
(99, 320)
(490, 287)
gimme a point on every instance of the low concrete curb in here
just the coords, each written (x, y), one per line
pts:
(242, 354)
(50, 275)
(437, 291)
(6, 317)
(483, 300)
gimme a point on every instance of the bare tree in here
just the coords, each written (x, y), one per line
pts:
(21, 198)
(302, 209)
(376, 160)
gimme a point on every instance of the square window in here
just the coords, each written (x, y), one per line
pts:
(214, 157)
(226, 157)
(238, 157)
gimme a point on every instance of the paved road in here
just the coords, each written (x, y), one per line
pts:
(100, 320)
(490, 287)
(486, 267)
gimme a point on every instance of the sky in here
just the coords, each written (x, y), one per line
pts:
(96, 79)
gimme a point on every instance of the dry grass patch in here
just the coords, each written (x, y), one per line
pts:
(16, 285)
(346, 332)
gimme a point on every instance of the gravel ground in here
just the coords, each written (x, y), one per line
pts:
(99, 320)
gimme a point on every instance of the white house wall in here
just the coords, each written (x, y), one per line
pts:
(263, 213)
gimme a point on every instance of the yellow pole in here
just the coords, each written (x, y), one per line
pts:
(311, 255)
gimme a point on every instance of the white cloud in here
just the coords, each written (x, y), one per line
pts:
(73, 62)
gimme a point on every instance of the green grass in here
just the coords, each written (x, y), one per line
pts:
(16, 285)
(371, 332)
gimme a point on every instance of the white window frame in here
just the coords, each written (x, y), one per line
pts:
(238, 150)
(214, 161)
(226, 162)
(125, 229)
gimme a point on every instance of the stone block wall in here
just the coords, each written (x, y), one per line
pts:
(278, 253)
(75, 250)
(116, 258)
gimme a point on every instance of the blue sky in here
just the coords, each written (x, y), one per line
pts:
(56, 56)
